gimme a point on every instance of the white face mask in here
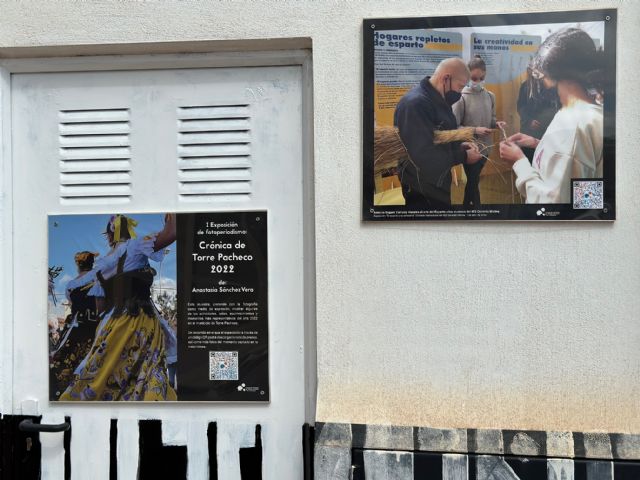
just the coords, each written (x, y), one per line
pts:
(476, 86)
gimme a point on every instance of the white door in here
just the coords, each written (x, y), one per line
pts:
(205, 139)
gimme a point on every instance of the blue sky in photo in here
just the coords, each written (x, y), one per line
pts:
(69, 234)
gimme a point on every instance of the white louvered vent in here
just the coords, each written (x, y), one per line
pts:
(95, 156)
(214, 152)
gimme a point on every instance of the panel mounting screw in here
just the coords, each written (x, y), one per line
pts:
(607, 17)
(373, 26)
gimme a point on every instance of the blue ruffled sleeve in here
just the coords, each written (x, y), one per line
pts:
(144, 246)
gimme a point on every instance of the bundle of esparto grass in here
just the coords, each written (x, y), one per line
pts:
(388, 148)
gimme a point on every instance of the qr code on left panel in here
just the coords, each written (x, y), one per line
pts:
(223, 365)
(588, 194)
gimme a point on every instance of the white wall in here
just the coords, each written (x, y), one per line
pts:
(439, 324)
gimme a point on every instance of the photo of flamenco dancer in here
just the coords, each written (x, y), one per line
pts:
(112, 307)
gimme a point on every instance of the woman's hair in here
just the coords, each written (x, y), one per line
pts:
(84, 260)
(570, 54)
(124, 230)
(477, 62)
(535, 87)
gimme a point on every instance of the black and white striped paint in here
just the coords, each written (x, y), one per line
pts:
(135, 449)
(396, 465)
(146, 449)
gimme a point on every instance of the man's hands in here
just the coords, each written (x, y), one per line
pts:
(473, 154)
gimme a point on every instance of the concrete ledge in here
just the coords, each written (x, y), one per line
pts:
(145, 48)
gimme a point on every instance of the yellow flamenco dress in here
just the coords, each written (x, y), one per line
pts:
(127, 361)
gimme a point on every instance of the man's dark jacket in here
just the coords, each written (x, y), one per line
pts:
(426, 175)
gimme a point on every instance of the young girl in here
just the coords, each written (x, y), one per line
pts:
(571, 147)
(477, 108)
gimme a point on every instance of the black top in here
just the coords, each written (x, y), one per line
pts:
(83, 307)
(426, 174)
(541, 107)
(129, 291)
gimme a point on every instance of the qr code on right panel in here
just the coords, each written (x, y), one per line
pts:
(223, 365)
(588, 194)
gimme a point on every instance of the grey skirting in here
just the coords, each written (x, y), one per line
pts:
(383, 452)
(531, 443)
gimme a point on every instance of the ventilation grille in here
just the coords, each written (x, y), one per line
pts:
(214, 153)
(95, 156)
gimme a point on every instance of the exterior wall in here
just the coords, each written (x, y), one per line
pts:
(451, 325)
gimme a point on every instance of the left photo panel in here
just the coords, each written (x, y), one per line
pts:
(112, 307)
(158, 307)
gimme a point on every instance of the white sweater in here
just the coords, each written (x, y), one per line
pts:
(477, 109)
(570, 148)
